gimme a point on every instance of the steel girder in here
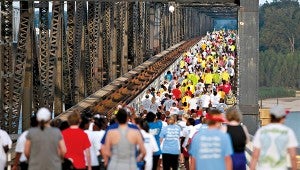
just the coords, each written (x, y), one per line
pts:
(113, 42)
(55, 55)
(89, 47)
(147, 30)
(80, 52)
(100, 54)
(106, 42)
(68, 58)
(124, 35)
(130, 36)
(9, 96)
(135, 21)
(77, 63)
(162, 29)
(141, 34)
(26, 33)
(118, 23)
(23, 49)
(94, 19)
(44, 82)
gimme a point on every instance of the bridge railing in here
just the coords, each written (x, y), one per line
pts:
(107, 90)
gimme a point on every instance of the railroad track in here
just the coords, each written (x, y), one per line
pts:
(124, 89)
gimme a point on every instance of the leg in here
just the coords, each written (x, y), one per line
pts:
(155, 162)
(174, 163)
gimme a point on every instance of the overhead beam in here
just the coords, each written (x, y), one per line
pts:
(164, 1)
(208, 5)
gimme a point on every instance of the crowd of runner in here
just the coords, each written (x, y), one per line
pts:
(169, 131)
(201, 81)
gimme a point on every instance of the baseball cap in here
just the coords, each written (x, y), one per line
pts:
(43, 114)
(278, 111)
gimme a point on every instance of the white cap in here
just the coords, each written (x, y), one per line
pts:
(43, 114)
(278, 111)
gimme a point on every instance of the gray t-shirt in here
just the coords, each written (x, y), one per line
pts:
(44, 148)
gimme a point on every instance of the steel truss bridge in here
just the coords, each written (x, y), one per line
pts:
(57, 54)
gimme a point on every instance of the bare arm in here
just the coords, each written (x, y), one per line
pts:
(105, 149)
(140, 143)
(27, 149)
(16, 162)
(62, 148)
(293, 153)
(247, 134)
(88, 158)
(228, 162)
(254, 158)
(192, 163)
(104, 157)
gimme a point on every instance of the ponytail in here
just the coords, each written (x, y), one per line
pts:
(42, 125)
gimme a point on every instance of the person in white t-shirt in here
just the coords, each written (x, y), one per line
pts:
(273, 143)
(205, 100)
(187, 133)
(193, 102)
(5, 141)
(168, 103)
(20, 158)
(149, 142)
(214, 99)
(154, 106)
(95, 135)
(146, 103)
(174, 109)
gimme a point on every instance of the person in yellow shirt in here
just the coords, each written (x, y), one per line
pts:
(181, 64)
(203, 46)
(183, 88)
(216, 77)
(185, 81)
(221, 93)
(225, 76)
(232, 47)
(186, 98)
(209, 57)
(215, 67)
(208, 78)
(199, 59)
(203, 63)
(193, 78)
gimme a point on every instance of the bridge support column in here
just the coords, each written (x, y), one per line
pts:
(28, 76)
(113, 49)
(248, 40)
(152, 26)
(125, 40)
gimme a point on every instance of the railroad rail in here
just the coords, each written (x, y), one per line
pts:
(125, 88)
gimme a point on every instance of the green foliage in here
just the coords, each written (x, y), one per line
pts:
(279, 25)
(275, 92)
(279, 60)
(278, 69)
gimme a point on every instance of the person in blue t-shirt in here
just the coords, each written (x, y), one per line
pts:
(154, 129)
(211, 148)
(170, 137)
(168, 76)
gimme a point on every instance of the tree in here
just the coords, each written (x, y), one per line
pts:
(279, 25)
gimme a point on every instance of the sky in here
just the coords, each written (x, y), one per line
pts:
(263, 1)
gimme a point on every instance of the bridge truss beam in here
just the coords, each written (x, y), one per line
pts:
(78, 51)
